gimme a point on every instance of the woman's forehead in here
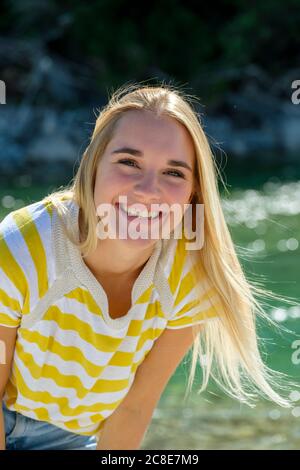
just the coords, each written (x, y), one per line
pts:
(144, 131)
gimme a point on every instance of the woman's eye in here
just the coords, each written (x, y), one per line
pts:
(126, 161)
(178, 173)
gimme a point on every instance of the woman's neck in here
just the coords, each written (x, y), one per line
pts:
(111, 258)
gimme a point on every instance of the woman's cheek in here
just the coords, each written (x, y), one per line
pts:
(110, 183)
(179, 193)
(118, 178)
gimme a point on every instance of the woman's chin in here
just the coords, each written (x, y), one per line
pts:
(138, 239)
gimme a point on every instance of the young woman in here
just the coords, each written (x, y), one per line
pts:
(95, 326)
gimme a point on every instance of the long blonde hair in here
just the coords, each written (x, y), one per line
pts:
(229, 346)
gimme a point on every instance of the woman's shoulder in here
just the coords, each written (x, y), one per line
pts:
(26, 265)
(25, 239)
(35, 218)
(32, 217)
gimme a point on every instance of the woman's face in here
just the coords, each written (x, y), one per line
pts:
(149, 160)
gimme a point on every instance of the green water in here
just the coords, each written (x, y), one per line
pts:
(265, 225)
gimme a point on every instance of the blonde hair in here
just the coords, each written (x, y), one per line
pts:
(229, 346)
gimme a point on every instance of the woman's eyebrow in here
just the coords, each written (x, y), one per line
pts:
(139, 153)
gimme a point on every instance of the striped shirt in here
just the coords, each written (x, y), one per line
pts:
(74, 364)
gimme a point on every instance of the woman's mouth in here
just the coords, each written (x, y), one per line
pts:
(142, 216)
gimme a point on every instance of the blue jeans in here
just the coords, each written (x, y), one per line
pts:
(23, 433)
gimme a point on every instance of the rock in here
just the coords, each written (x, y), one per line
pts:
(289, 129)
(52, 147)
(240, 142)
(12, 156)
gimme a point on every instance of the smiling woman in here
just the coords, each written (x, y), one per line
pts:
(147, 180)
(104, 322)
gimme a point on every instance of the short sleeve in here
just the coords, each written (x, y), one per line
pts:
(196, 299)
(13, 282)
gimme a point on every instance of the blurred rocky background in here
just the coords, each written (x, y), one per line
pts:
(59, 61)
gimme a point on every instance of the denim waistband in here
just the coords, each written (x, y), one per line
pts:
(22, 433)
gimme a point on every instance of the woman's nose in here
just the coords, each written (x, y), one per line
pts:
(147, 185)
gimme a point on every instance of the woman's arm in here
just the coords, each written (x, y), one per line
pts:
(126, 427)
(8, 341)
(124, 430)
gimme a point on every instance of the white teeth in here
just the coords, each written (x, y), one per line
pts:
(143, 214)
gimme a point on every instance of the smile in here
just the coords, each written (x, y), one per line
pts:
(133, 213)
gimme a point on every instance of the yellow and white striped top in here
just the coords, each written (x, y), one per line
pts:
(74, 364)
